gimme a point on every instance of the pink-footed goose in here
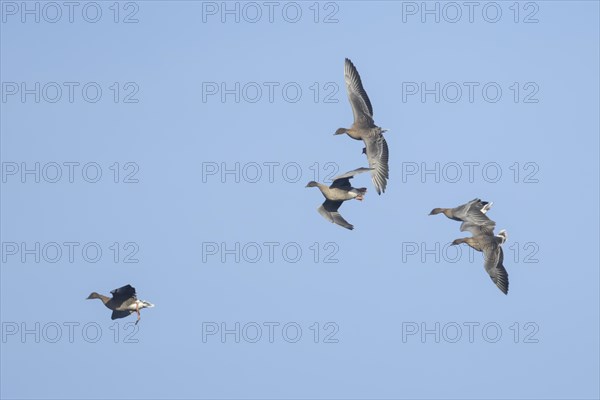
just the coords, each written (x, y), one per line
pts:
(339, 191)
(123, 302)
(364, 128)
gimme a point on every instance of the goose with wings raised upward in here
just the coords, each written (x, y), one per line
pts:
(123, 302)
(339, 191)
(471, 214)
(364, 128)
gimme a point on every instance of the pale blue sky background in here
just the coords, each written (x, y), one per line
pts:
(370, 292)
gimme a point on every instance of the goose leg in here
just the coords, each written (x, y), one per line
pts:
(137, 310)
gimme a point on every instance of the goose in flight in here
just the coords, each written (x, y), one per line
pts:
(339, 191)
(493, 256)
(472, 215)
(123, 302)
(364, 128)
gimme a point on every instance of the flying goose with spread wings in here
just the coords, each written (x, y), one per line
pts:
(364, 128)
(124, 301)
(339, 191)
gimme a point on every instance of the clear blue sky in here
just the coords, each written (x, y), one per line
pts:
(180, 218)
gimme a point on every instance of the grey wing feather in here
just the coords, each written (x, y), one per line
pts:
(472, 215)
(493, 263)
(329, 211)
(361, 105)
(344, 179)
(477, 230)
(461, 211)
(476, 217)
(378, 156)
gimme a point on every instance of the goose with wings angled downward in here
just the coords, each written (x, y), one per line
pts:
(339, 191)
(364, 128)
(474, 219)
(493, 257)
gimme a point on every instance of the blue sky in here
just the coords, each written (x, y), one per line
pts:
(204, 131)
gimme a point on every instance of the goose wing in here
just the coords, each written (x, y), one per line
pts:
(378, 155)
(123, 293)
(343, 181)
(329, 211)
(473, 214)
(476, 230)
(359, 101)
(493, 263)
(461, 211)
(119, 314)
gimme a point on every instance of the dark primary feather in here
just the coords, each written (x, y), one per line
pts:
(331, 206)
(123, 293)
(119, 314)
(329, 211)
